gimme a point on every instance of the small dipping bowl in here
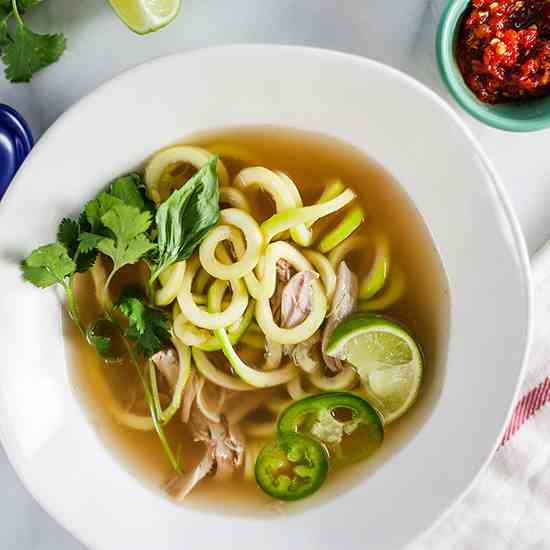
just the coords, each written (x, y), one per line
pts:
(514, 117)
(15, 143)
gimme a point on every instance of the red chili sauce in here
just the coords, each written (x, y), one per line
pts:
(503, 49)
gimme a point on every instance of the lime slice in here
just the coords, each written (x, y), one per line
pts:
(387, 359)
(144, 16)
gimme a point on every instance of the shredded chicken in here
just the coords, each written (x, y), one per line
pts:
(343, 303)
(167, 364)
(296, 298)
(224, 451)
(301, 353)
(284, 273)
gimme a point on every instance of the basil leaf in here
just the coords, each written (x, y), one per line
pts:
(184, 219)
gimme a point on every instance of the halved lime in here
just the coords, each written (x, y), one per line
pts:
(387, 359)
(144, 16)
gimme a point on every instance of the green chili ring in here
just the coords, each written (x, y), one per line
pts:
(292, 467)
(316, 416)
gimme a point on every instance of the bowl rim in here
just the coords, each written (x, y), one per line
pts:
(444, 48)
(495, 183)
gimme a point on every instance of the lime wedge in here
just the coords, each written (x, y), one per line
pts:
(144, 16)
(387, 359)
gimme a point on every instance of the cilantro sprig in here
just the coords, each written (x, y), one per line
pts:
(119, 224)
(147, 326)
(23, 51)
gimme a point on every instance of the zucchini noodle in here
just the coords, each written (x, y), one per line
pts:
(181, 154)
(235, 333)
(201, 281)
(267, 181)
(333, 188)
(295, 216)
(212, 373)
(202, 318)
(295, 389)
(300, 233)
(325, 270)
(264, 288)
(188, 333)
(234, 198)
(259, 379)
(341, 381)
(375, 279)
(396, 286)
(249, 257)
(351, 221)
(171, 280)
(184, 364)
(351, 244)
(210, 410)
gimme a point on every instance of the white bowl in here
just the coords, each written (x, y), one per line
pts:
(398, 122)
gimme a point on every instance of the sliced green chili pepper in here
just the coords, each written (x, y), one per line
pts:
(348, 426)
(292, 467)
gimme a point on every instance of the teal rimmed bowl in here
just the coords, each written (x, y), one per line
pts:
(520, 117)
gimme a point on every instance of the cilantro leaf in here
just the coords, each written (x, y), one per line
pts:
(184, 219)
(127, 189)
(102, 334)
(147, 326)
(27, 52)
(5, 38)
(102, 344)
(89, 241)
(47, 265)
(69, 235)
(96, 208)
(129, 242)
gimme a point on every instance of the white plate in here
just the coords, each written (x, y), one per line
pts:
(394, 119)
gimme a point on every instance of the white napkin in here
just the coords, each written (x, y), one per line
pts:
(508, 508)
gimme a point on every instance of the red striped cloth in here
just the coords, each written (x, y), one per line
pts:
(527, 406)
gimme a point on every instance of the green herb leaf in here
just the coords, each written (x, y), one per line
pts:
(129, 243)
(28, 52)
(89, 241)
(127, 189)
(184, 219)
(102, 344)
(97, 208)
(47, 265)
(69, 235)
(101, 334)
(147, 326)
(5, 38)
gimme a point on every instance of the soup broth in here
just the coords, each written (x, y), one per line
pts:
(311, 161)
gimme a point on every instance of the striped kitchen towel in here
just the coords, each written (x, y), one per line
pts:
(508, 508)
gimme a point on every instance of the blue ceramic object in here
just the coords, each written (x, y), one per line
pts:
(15, 143)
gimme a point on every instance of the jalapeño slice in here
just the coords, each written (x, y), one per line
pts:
(345, 423)
(292, 467)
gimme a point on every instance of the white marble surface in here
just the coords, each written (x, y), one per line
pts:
(398, 33)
